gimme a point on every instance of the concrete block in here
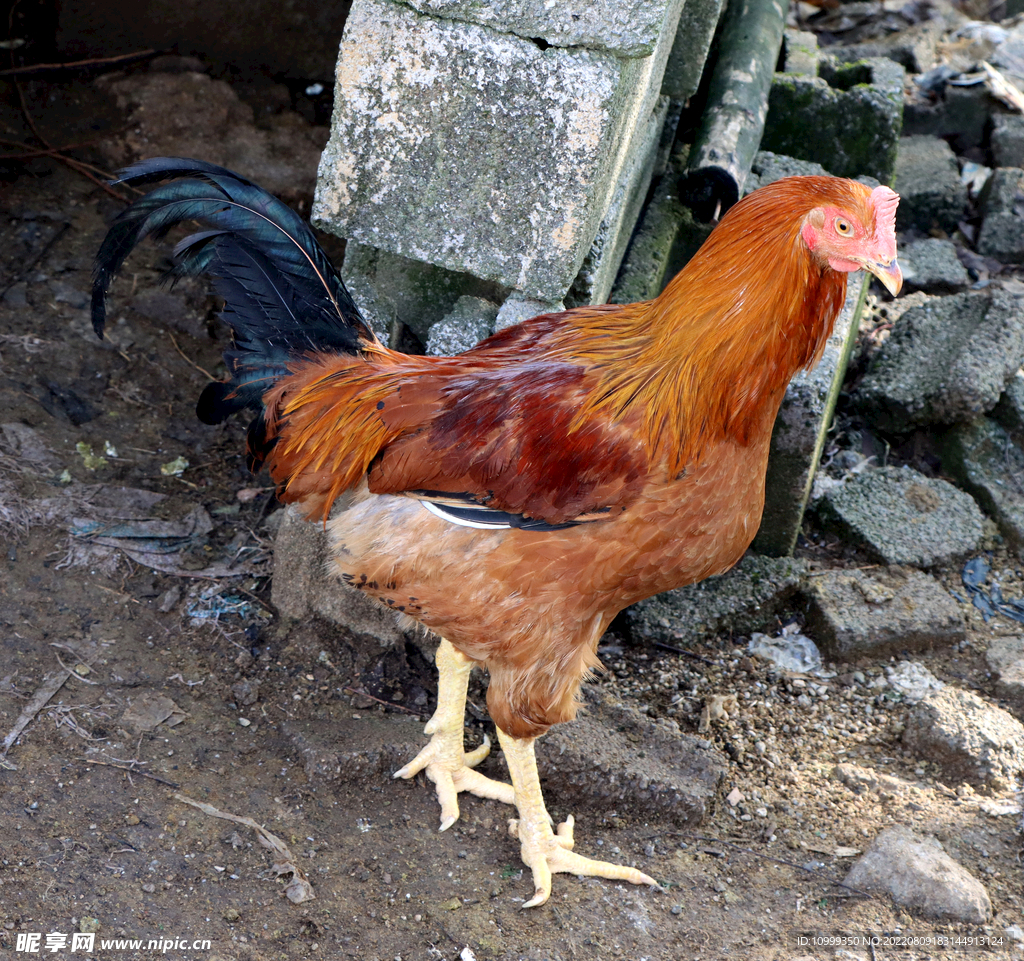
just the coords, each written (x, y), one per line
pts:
(595, 757)
(854, 110)
(946, 361)
(800, 429)
(750, 597)
(1002, 230)
(769, 167)
(471, 320)
(1009, 412)
(902, 517)
(421, 164)
(851, 613)
(932, 265)
(690, 48)
(627, 28)
(912, 48)
(968, 738)
(1007, 140)
(593, 284)
(800, 53)
(961, 117)
(928, 181)
(983, 458)
(518, 308)
(411, 292)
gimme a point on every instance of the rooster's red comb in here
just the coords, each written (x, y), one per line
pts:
(884, 203)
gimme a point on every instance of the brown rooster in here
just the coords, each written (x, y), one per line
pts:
(516, 497)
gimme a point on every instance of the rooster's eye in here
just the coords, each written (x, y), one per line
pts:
(843, 226)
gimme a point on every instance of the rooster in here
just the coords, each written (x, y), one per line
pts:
(516, 497)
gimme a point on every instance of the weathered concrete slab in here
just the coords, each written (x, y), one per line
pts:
(916, 873)
(881, 611)
(620, 760)
(800, 429)
(628, 28)
(800, 53)
(690, 48)
(854, 110)
(967, 737)
(902, 517)
(593, 284)
(928, 181)
(748, 598)
(985, 460)
(912, 48)
(946, 361)
(1002, 230)
(421, 163)
(932, 265)
(959, 116)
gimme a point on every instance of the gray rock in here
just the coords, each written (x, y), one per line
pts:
(618, 759)
(932, 265)
(903, 517)
(862, 780)
(800, 53)
(1002, 204)
(1005, 658)
(471, 320)
(961, 116)
(916, 873)
(593, 284)
(967, 737)
(800, 430)
(629, 28)
(928, 181)
(520, 210)
(946, 361)
(398, 289)
(912, 681)
(518, 308)
(750, 597)
(912, 48)
(1008, 140)
(984, 460)
(1010, 410)
(854, 111)
(769, 167)
(881, 611)
(690, 49)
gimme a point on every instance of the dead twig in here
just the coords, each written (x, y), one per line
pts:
(130, 770)
(398, 707)
(188, 360)
(52, 683)
(102, 62)
(298, 889)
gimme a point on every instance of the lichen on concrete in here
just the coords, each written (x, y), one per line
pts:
(854, 110)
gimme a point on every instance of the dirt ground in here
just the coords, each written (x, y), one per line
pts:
(179, 682)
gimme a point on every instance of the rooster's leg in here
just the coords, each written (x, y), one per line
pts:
(444, 759)
(544, 850)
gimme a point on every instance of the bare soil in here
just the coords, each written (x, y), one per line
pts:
(92, 830)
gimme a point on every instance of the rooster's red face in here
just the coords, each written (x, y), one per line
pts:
(858, 239)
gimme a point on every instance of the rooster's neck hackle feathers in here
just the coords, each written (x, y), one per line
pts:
(710, 357)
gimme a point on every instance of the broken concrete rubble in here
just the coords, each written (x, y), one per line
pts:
(928, 181)
(947, 361)
(903, 517)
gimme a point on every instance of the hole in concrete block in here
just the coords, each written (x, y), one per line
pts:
(845, 76)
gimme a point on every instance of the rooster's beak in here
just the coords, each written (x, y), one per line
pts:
(889, 274)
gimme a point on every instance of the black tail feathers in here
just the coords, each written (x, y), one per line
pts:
(283, 297)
